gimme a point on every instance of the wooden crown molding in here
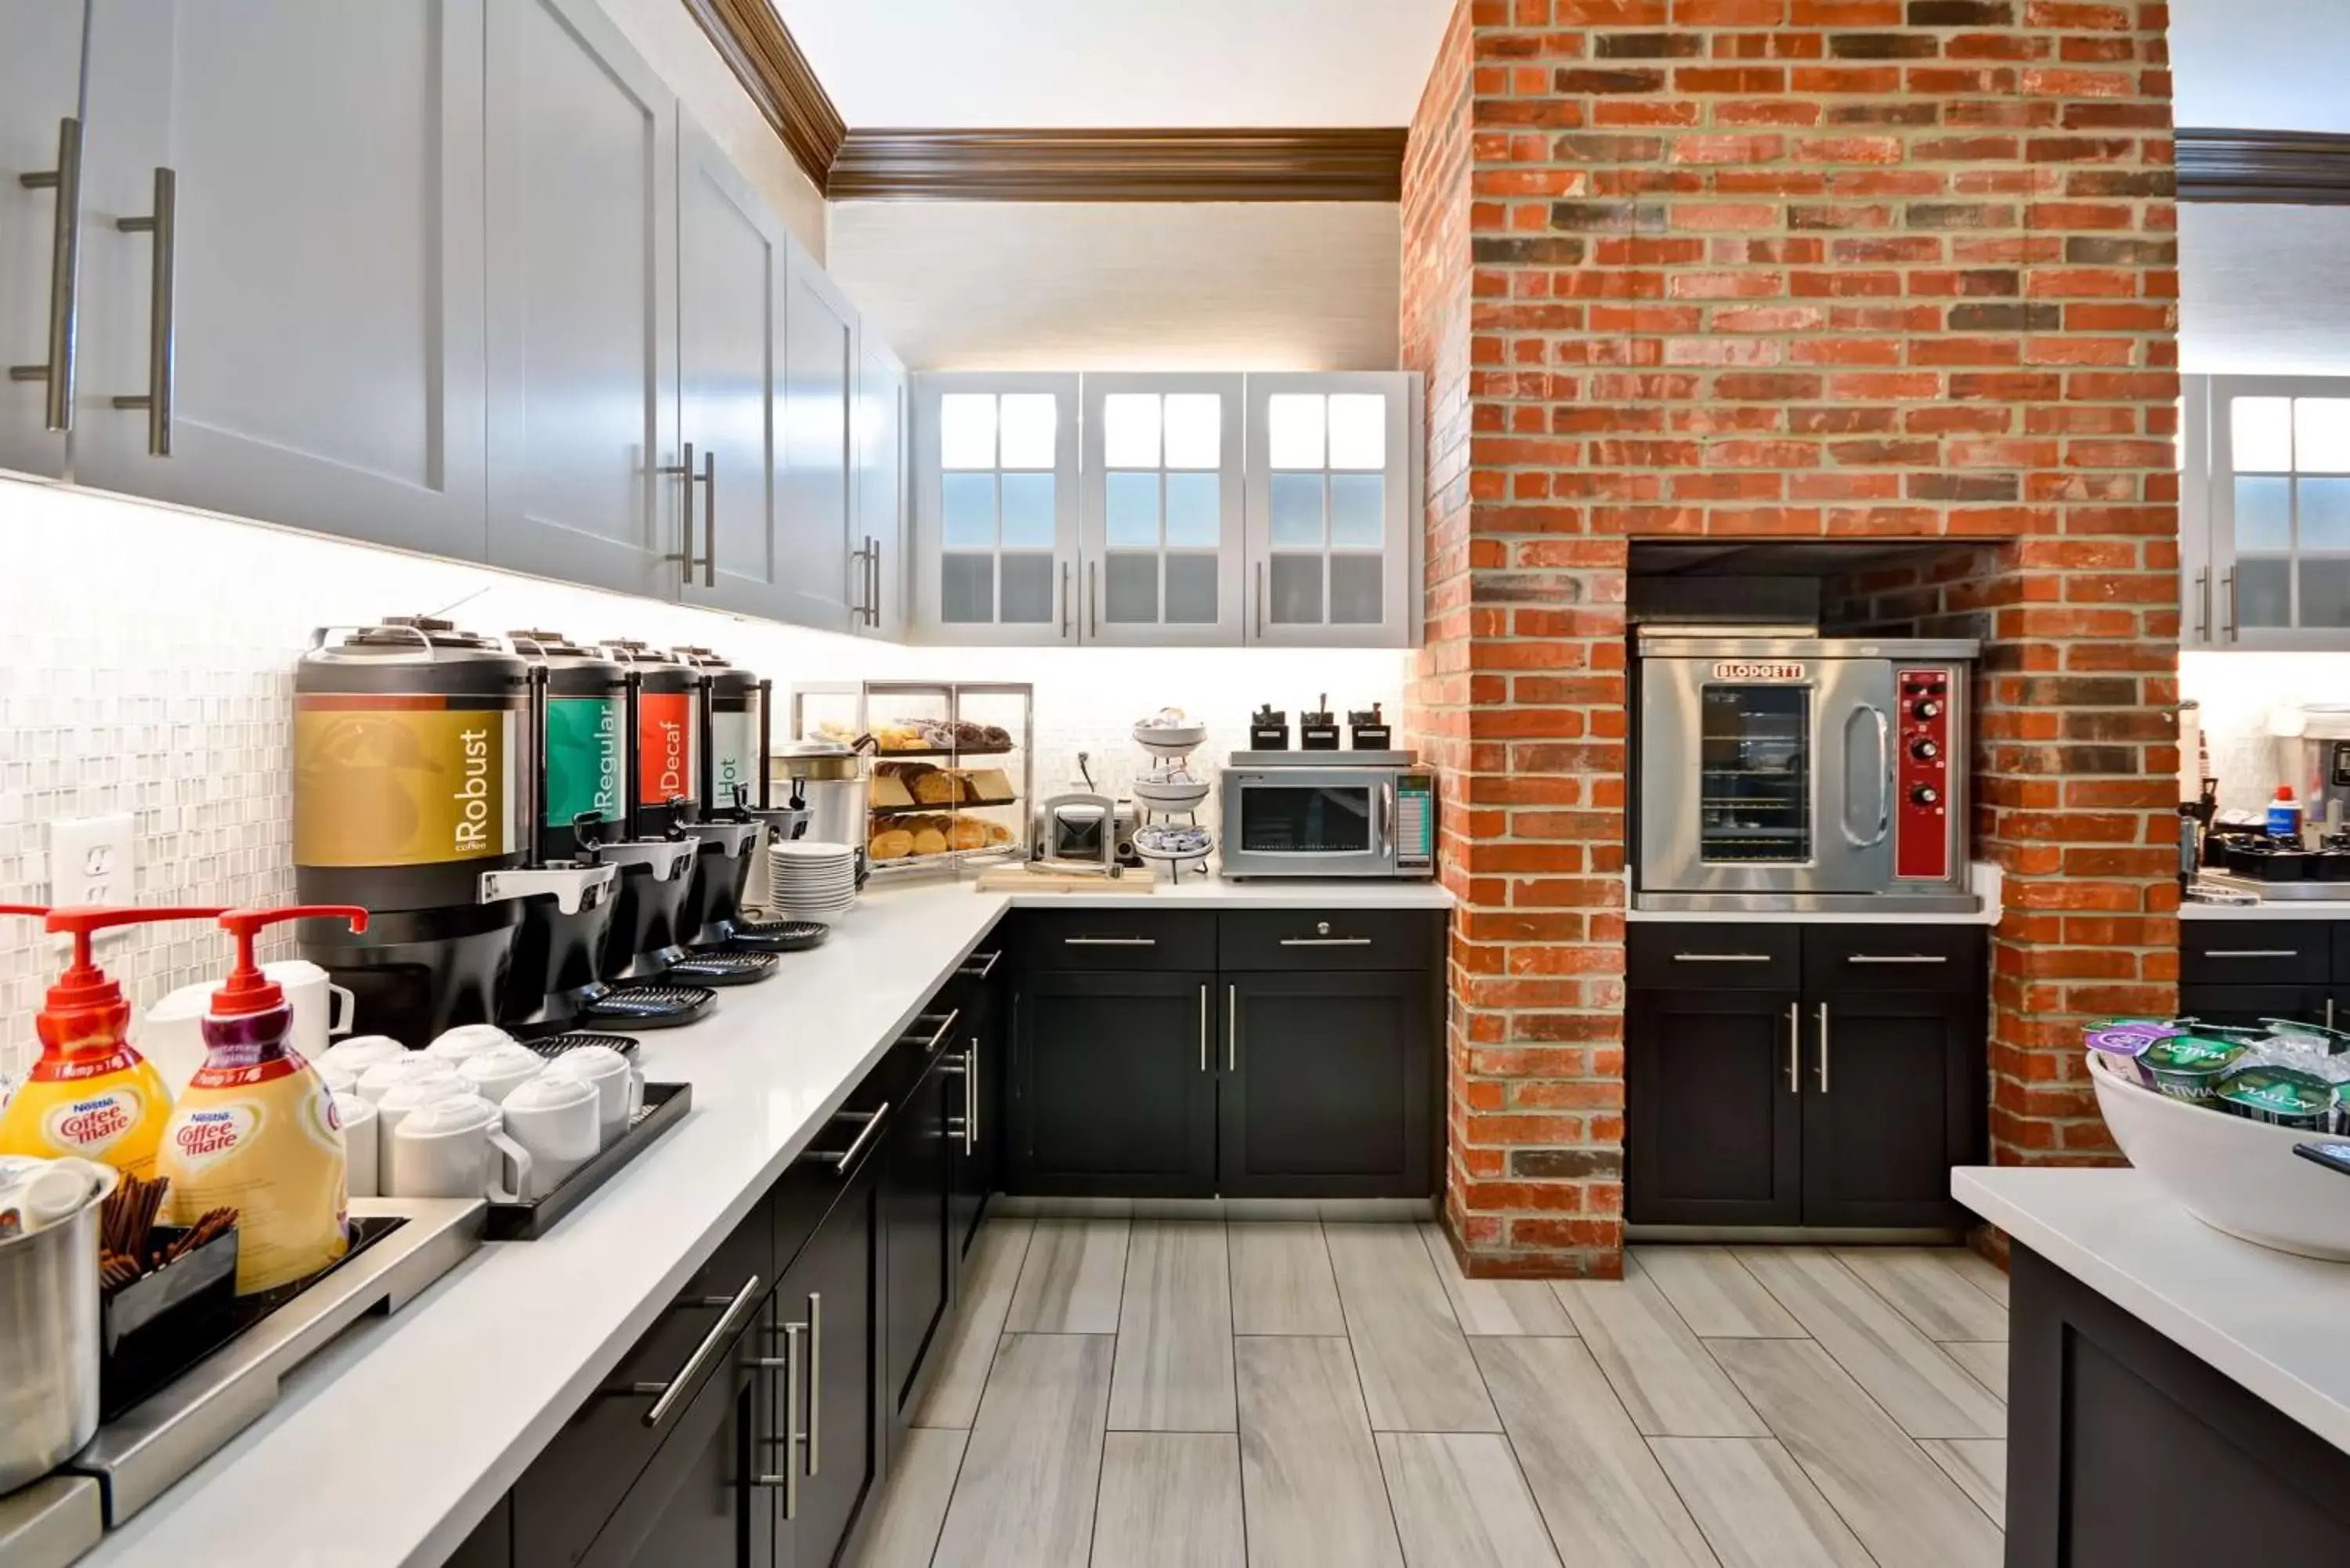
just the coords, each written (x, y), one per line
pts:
(758, 49)
(2304, 168)
(1298, 165)
(1304, 165)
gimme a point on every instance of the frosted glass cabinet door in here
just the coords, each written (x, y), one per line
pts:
(582, 241)
(733, 269)
(317, 357)
(995, 466)
(1333, 487)
(880, 437)
(41, 88)
(1164, 544)
(817, 518)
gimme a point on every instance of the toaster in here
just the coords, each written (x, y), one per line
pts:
(1068, 828)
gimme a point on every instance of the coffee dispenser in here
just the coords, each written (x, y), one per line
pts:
(737, 821)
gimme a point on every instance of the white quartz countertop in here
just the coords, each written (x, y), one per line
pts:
(1982, 880)
(391, 1445)
(2273, 1322)
(2270, 910)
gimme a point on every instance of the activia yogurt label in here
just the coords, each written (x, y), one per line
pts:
(2278, 1095)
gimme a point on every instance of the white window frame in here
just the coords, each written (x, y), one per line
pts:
(1400, 547)
(2209, 563)
(1232, 534)
(927, 624)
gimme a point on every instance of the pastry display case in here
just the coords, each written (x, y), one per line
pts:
(952, 769)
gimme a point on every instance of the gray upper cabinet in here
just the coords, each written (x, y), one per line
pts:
(879, 428)
(818, 518)
(281, 310)
(586, 477)
(40, 108)
(732, 273)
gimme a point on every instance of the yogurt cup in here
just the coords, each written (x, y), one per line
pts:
(2281, 1096)
(2187, 1067)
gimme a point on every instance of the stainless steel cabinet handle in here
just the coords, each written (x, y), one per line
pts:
(2229, 577)
(986, 963)
(946, 1026)
(1109, 942)
(970, 1100)
(2203, 600)
(685, 470)
(1794, 1047)
(1260, 599)
(2250, 952)
(815, 1382)
(1823, 1047)
(666, 1395)
(2329, 1013)
(163, 337)
(1093, 598)
(1065, 599)
(1231, 1028)
(789, 1479)
(1204, 1029)
(1326, 941)
(862, 605)
(709, 517)
(873, 569)
(1897, 958)
(65, 269)
(1721, 958)
(865, 1136)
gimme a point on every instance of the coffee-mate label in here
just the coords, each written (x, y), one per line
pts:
(90, 1124)
(201, 1138)
(261, 1138)
(106, 1105)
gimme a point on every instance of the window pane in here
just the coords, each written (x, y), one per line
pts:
(2321, 435)
(2324, 515)
(967, 430)
(2261, 431)
(1027, 590)
(1357, 509)
(966, 589)
(967, 502)
(1354, 590)
(1131, 430)
(2325, 592)
(1028, 510)
(1130, 508)
(1296, 590)
(1030, 423)
(2263, 514)
(1297, 511)
(1294, 428)
(1191, 590)
(1130, 588)
(1194, 510)
(2261, 590)
(1195, 429)
(1359, 430)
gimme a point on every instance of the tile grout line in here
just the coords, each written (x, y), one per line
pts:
(1631, 1267)
(1385, 1491)
(1232, 1322)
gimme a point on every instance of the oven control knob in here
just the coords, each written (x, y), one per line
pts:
(1925, 794)
(1925, 751)
(1929, 708)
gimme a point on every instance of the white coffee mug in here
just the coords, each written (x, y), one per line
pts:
(339, 1077)
(172, 1037)
(619, 1092)
(321, 1008)
(456, 1149)
(362, 1149)
(361, 1051)
(412, 1067)
(557, 1118)
(499, 1071)
(453, 1046)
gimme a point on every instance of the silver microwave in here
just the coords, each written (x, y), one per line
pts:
(1326, 817)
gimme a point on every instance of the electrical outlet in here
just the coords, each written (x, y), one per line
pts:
(90, 861)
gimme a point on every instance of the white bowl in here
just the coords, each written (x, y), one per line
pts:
(1170, 737)
(2234, 1174)
(1174, 795)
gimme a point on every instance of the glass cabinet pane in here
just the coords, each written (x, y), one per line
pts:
(1754, 794)
(1000, 504)
(1155, 528)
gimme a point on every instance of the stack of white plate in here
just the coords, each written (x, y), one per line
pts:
(812, 880)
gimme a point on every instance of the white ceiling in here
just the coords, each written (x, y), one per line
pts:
(1107, 63)
(2261, 64)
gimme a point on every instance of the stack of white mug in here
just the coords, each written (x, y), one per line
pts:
(475, 1113)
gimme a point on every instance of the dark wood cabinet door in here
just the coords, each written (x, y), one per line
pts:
(917, 1259)
(823, 1437)
(699, 1504)
(1895, 1094)
(1113, 1085)
(2251, 1004)
(1327, 1088)
(1713, 1119)
(974, 1121)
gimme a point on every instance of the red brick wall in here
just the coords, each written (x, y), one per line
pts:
(1861, 269)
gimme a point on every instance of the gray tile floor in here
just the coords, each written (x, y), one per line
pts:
(1133, 1393)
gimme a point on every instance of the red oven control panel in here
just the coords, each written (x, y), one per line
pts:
(1922, 836)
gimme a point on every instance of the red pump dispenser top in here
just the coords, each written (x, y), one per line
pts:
(247, 988)
(84, 1004)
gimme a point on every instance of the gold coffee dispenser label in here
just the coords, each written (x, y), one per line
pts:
(400, 781)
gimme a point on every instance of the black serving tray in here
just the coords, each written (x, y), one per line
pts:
(665, 1105)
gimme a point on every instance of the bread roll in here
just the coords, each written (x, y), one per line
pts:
(937, 787)
(891, 844)
(968, 832)
(929, 841)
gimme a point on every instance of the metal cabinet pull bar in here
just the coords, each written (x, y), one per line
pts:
(815, 1382)
(2228, 579)
(1897, 958)
(2203, 598)
(1065, 599)
(1326, 941)
(1823, 1047)
(789, 1479)
(666, 1395)
(1721, 958)
(872, 1125)
(946, 1025)
(986, 962)
(685, 470)
(163, 337)
(1109, 942)
(970, 1099)
(1794, 1047)
(65, 269)
(1203, 1028)
(709, 517)
(2250, 952)
(1260, 599)
(1093, 598)
(1231, 1028)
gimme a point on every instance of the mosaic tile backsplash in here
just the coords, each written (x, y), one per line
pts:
(2243, 697)
(146, 665)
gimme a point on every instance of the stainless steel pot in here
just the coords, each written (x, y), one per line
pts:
(49, 1343)
(832, 779)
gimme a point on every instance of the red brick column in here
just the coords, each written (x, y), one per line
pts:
(1854, 269)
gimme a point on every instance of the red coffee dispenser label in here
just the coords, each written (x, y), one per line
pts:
(665, 747)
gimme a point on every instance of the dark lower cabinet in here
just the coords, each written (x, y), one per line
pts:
(975, 1093)
(700, 1504)
(2251, 1003)
(1113, 1085)
(1893, 1096)
(1328, 1084)
(824, 1442)
(918, 1256)
(1713, 1108)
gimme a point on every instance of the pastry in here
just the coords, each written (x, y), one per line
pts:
(968, 832)
(929, 841)
(937, 734)
(988, 785)
(892, 844)
(898, 737)
(997, 834)
(998, 738)
(937, 787)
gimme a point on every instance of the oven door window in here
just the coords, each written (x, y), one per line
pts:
(1299, 819)
(1754, 797)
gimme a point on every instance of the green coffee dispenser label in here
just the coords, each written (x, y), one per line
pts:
(583, 758)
